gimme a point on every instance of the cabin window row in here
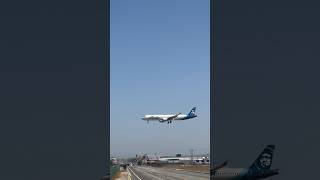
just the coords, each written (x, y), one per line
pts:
(224, 173)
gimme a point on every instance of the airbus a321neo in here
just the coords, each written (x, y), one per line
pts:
(169, 118)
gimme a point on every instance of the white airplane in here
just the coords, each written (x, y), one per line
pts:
(170, 118)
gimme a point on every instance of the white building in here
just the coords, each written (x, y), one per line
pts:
(114, 160)
(181, 159)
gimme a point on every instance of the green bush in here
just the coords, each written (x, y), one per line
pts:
(114, 169)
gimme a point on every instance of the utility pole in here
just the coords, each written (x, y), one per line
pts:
(191, 154)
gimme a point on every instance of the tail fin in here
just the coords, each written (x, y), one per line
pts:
(264, 160)
(192, 112)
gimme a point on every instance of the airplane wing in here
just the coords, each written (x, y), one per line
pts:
(152, 118)
(161, 119)
(172, 117)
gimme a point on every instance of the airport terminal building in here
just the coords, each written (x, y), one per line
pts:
(178, 159)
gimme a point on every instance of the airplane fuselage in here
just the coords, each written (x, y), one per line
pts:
(161, 116)
(170, 117)
(243, 174)
(229, 173)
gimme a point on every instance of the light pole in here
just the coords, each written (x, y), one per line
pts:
(191, 153)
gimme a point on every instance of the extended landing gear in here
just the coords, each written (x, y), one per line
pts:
(169, 122)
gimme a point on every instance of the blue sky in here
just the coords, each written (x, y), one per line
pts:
(160, 52)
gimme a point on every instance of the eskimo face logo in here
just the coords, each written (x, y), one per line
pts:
(265, 160)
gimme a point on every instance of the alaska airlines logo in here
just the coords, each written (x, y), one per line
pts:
(265, 160)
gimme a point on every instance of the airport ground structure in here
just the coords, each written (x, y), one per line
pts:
(155, 160)
(149, 167)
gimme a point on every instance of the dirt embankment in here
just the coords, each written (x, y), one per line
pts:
(121, 175)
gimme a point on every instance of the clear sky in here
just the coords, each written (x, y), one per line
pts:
(160, 52)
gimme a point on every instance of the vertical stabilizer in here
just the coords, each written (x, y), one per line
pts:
(264, 161)
(192, 112)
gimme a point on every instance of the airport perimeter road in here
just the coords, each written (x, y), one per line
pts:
(151, 173)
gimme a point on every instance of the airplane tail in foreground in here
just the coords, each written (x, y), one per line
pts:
(264, 161)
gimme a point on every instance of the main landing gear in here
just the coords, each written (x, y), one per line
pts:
(169, 122)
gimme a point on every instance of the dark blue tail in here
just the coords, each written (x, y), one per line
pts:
(192, 112)
(264, 161)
